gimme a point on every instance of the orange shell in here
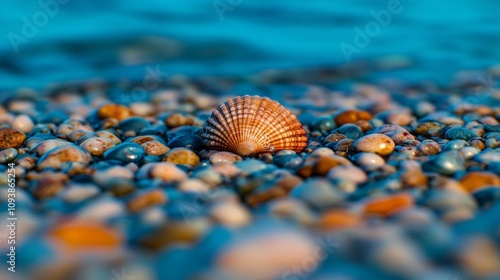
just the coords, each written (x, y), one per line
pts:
(249, 125)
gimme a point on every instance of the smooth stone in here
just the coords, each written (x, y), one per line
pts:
(426, 128)
(351, 131)
(102, 210)
(446, 163)
(75, 193)
(290, 161)
(350, 173)
(147, 199)
(400, 136)
(145, 138)
(389, 205)
(273, 252)
(368, 161)
(375, 143)
(468, 152)
(334, 138)
(251, 165)
(210, 177)
(487, 156)
(478, 179)
(492, 143)
(352, 116)
(23, 123)
(135, 124)
(318, 193)
(107, 134)
(226, 169)
(385, 128)
(225, 156)
(456, 144)
(182, 156)
(230, 214)
(75, 236)
(459, 133)
(59, 155)
(193, 185)
(429, 147)
(443, 201)
(191, 141)
(8, 155)
(488, 266)
(44, 146)
(442, 117)
(411, 174)
(125, 152)
(487, 196)
(116, 111)
(165, 171)
(155, 148)
(11, 138)
(323, 152)
(323, 124)
(96, 146)
(176, 120)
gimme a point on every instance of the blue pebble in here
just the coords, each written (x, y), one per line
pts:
(446, 163)
(352, 131)
(459, 133)
(125, 152)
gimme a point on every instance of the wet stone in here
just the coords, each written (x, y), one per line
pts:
(182, 156)
(125, 152)
(375, 143)
(96, 146)
(459, 133)
(8, 155)
(11, 138)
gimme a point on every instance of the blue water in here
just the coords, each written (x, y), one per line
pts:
(116, 40)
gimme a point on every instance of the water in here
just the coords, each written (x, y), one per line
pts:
(117, 40)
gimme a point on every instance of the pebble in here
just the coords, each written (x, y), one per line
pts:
(166, 171)
(349, 173)
(388, 206)
(339, 220)
(23, 123)
(230, 214)
(225, 157)
(323, 152)
(8, 155)
(446, 163)
(125, 152)
(351, 131)
(375, 143)
(323, 124)
(56, 157)
(318, 193)
(459, 133)
(75, 236)
(193, 185)
(473, 181)
(115, 111)
(182, 156)
(429, 147)
(145, 200)
(176, 120)
(96, 146)
(351, 116)
(155, 148)
(368, 161)
(11, 138)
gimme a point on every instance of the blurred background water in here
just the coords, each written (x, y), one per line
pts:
(114, 40)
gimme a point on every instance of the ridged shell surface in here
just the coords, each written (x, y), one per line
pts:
(249, 125)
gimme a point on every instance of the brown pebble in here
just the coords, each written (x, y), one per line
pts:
(155, 148)
(182, 156)
(115, 111)
(477, 143)
(477, 179)
(352, 116)
(145, 200)
(47, 187)
(339, 219)
(11, 138)
(387, 206)
(85, 236)
(176, 120)
(375, 143)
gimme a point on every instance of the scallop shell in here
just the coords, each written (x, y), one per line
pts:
(249, 125)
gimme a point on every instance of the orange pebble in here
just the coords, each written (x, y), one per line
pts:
(477, 179)
(85, 235)
(115, 111)
(339, 219)
(387, 206)
(352, 116)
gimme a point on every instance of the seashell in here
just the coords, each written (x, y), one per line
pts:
(251, 124)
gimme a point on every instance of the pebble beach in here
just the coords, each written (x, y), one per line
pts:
(396, 182)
